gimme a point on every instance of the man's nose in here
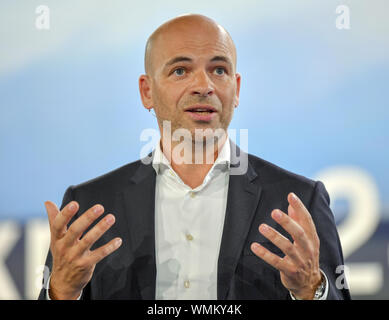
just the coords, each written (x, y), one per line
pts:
(203, 85)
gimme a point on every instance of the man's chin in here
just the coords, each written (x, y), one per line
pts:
(196, 133)
(202, 135)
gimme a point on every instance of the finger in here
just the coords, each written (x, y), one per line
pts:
(59, 225)
(292, 227)
(78, 227)
(300, 212)
(95, 233)
(100, 253)
(269, 257)
(281, 242)
(52, 210)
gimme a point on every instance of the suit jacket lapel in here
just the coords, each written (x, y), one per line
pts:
(243, 196)
(139, 201)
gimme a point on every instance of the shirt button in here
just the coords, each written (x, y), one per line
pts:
(192, 194)
(189, 237)
(186, 284)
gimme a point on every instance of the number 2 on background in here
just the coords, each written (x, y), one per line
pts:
(359, 189)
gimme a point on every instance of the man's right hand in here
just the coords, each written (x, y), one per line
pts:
(73, 261)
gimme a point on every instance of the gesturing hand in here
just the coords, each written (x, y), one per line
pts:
(299, 268)
(73, 261)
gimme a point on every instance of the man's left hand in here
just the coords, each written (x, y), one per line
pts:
(299, 268)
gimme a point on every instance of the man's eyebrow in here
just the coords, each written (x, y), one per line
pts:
(178, 59)
(222, 58)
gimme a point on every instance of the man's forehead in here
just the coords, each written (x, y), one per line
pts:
(193, 39)
(200, 47)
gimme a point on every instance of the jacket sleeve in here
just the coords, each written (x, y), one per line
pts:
(331, 255)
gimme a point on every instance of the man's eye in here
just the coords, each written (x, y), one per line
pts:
(179, 71)
(220, 71)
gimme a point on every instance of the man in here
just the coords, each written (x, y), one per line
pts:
(191, 229)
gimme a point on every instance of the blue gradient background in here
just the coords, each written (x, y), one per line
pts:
(312, 96)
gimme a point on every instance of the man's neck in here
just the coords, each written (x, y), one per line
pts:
(194, 168)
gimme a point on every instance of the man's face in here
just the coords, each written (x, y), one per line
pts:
(193, 81)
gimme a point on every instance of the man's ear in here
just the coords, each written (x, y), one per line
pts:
(145, 91)
(237, 79)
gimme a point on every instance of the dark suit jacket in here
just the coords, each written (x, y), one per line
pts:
(129, 193)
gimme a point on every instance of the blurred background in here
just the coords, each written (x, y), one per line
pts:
(314, 100)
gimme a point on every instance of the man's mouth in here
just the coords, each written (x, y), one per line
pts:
(201, 113)
(201, 109)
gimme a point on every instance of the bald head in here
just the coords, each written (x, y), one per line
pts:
(189, 26)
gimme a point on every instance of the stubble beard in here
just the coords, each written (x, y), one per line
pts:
(203, 136)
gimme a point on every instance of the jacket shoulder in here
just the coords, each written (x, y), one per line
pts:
(113, 180)
(269, 173)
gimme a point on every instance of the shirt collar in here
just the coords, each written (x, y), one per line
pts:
(160, 162)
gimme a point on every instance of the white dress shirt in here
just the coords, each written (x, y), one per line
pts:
(189, 225)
